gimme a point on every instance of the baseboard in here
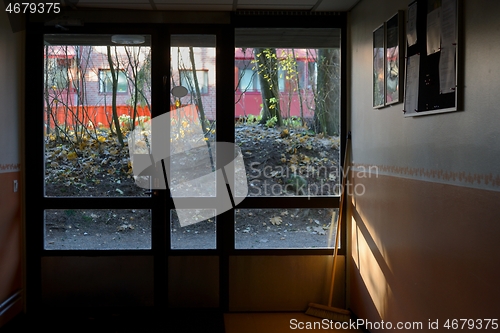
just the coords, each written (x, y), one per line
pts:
(11, 307)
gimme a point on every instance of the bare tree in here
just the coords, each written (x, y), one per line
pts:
(267, 68)
(138, 75)
(114, 79)
(199, 103)
(327, 96)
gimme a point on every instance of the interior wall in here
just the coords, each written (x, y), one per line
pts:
(11, 81)
(423, 222)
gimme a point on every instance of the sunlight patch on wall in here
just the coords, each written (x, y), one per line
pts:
(370, 271)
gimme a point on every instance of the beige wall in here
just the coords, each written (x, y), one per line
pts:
(424, 231)
(11, 97)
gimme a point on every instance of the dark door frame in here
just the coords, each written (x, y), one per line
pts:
(36, 202)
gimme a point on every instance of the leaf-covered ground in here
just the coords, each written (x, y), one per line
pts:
(274, 158)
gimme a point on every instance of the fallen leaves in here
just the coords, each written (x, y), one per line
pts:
(272, 154)
(71, 156)
(125, 227)
(276, 220)
(76, 164)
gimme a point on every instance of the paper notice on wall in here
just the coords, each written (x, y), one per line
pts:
(433, 31)
(447, 72)
(448, 22)
(411, 89)
(411, 27)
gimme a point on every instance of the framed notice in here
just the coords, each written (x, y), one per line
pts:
(394, 39)
(379, 67)
(433, 65)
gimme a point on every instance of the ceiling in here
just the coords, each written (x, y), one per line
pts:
(215, 5)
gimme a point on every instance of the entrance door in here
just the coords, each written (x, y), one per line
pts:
(95, 238)
(110, 235)
(102, 233)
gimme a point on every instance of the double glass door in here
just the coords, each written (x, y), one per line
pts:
(146, 156)
(129, 168)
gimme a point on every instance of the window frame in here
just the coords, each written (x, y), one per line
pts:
(320, 20)
(36, 201)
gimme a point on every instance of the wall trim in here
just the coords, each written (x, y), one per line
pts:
(10, 167)
(457, 178)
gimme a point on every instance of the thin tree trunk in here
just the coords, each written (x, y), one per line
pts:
(199, 102)
(114, 78)
(327, 97)
(135, 83)
(205, 126)
(301, 105)
(269, 86)
(48, 105)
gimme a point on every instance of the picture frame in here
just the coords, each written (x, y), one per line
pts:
(433, 85)
(379, 67)
(394, 52)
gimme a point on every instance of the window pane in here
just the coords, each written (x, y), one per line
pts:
(289, 133)
(97, 229)
(285, 228)
(57, 72)
(86, 148)
(187, 80)
(247, 79)
(192, 117)
(106, 81)
(122, 82)
(192, 230)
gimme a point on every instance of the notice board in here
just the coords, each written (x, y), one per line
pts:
(432, 72)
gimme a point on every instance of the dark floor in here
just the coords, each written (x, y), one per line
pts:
(174, 321)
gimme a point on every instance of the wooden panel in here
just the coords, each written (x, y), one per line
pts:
(97, 281)
(10, 236)
(283, 283)
(193, 282)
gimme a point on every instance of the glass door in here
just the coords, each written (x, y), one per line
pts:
(95, 231)
(192, 162)
(127, 185)
(195, 179)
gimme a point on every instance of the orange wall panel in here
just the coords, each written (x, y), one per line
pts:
(10, 236)
(423, 251)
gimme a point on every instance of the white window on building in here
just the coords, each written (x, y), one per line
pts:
(106, 81)
(188, 81)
